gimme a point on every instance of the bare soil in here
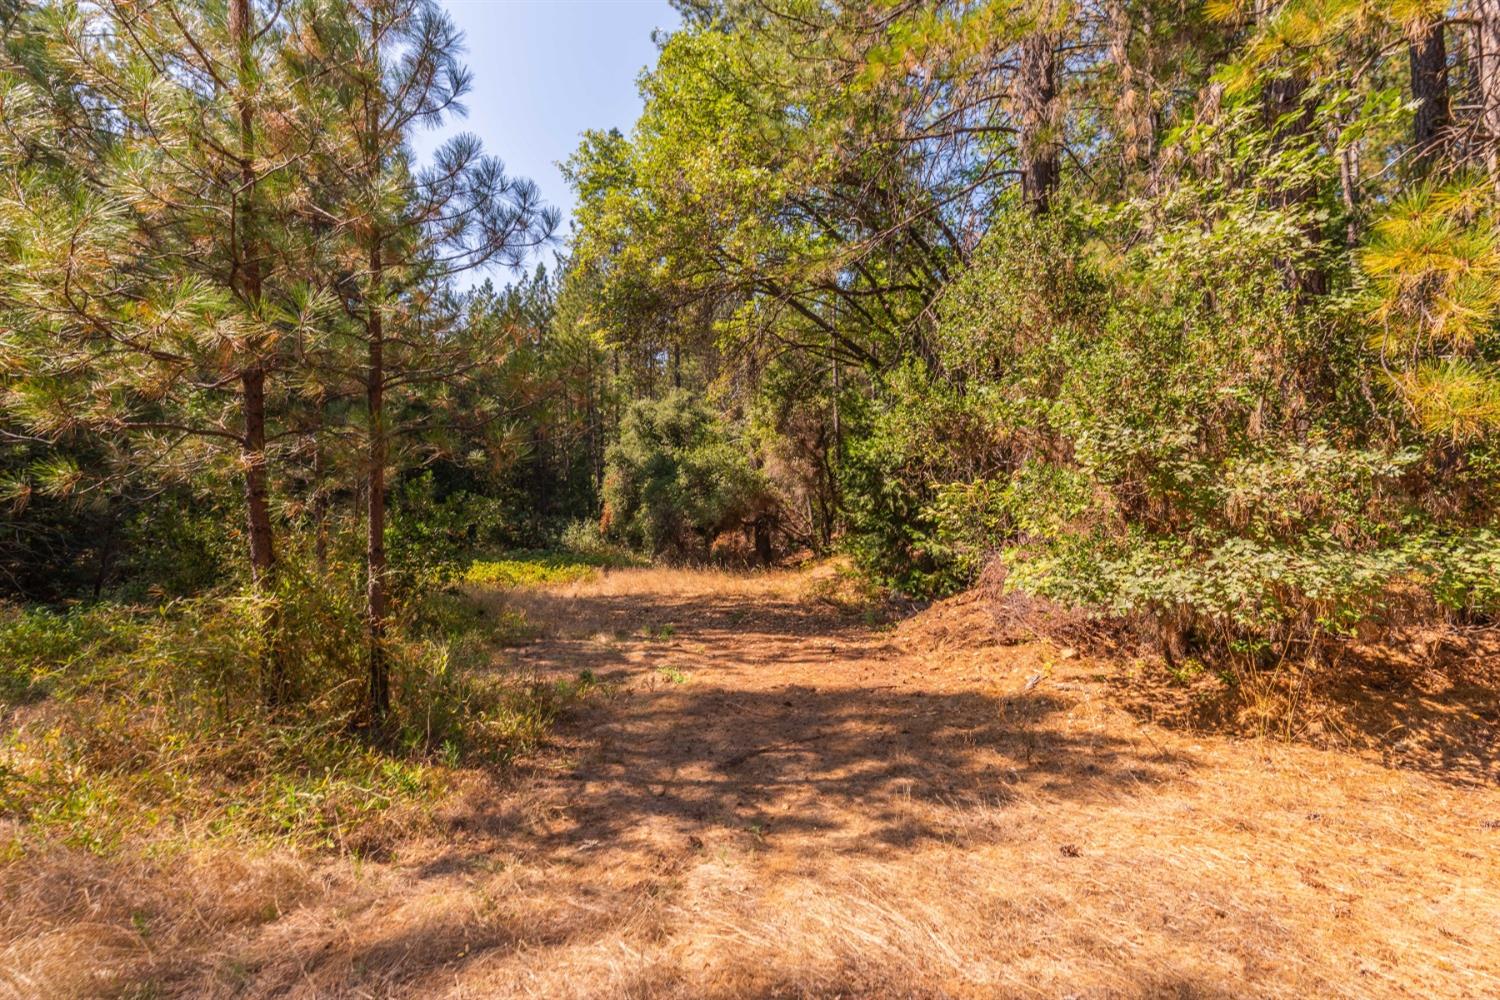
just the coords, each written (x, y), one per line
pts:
(774, 798)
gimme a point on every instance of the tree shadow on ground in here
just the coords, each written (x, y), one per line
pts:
(781, 728)
(795, 724)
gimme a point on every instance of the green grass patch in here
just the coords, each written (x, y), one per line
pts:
(672, 675)
(544, 568)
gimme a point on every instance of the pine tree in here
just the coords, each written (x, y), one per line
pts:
(405, 232)
(1037, 112)
(146, 271)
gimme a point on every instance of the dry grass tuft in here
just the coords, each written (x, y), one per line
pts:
(1426, 700)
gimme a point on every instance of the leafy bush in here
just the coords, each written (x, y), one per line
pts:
(585, 538)
(676, 479)
(1173, 434)
(428, 531)
(919, 515)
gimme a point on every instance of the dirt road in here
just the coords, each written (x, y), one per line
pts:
(779, 800)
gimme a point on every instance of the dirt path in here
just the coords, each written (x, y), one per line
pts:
(780, 801)
(777, 800)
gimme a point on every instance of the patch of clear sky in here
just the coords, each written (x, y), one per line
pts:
(546, 70)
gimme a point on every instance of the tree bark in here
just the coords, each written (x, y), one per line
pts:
(320, 491)
(257, 486)
(376, 594)
(1487, 37)
(1290, 120)
(253, 376)
(377, 597)
(1036, 84)
(761, 530)
(1429, 87)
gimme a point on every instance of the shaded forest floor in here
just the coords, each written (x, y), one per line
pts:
(772, 797)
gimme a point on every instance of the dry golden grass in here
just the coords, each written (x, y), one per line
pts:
(803, 806)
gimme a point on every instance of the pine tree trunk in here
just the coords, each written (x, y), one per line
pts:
(1135, 119)
(257, 488)
(1429, 88)
(1487, 23)
(1290, 120)
(377, 598)
(320, 491)
(838, 417)
(1036, 99)
(253, 377)
(258, 525)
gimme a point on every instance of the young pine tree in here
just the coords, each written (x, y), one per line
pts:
(392, 67)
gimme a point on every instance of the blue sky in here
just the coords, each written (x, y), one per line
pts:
(545, 70)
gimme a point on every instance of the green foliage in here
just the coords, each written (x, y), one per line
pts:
(672, 675)
(151, 715)
(177, 545)
(676, 480)
(40, 644)
(542, 569)
(920, 441)
(584, 537)
(1433, 264)
(428, 534)
(1195, 446)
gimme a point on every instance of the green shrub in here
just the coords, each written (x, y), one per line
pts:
(920, 516)
(675, 479)
(1172, 433)
(179, 545)
(428, 532)
(584, 537)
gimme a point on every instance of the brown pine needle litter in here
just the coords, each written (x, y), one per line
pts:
(806, 804)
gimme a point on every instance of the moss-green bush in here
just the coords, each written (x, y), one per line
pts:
(676, 479)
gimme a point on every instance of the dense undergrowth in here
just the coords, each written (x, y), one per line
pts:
(127, 720)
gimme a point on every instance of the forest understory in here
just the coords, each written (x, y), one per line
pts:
(771, 792)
